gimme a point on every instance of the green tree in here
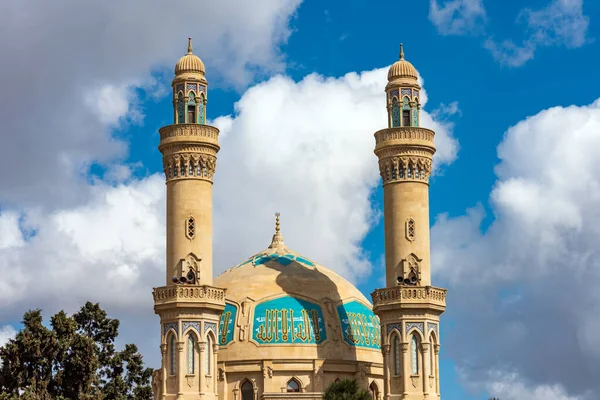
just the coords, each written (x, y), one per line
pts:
(346, 389)
(75, 359)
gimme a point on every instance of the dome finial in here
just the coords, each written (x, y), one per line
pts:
(401, 51)
(277, 238)
(190, 45)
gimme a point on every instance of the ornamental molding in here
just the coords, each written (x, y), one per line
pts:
(187, 148)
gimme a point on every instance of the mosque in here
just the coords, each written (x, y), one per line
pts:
(278, 325)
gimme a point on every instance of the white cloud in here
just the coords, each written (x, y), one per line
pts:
(527, 286)
(560, 23)
(69, 72)
(7, 332)
(302, 148)
(457, 17)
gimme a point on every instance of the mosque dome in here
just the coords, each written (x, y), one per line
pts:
(283, 306)
(402, 69)
(189, 63)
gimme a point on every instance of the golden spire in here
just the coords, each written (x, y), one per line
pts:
(190, 45)
(277, 238)
(401, 50)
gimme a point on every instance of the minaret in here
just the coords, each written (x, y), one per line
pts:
(409, 307)
(188, 306)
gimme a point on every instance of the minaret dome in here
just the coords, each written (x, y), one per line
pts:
(190, 63)
(402, 69)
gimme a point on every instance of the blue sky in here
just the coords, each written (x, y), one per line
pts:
(511, 91)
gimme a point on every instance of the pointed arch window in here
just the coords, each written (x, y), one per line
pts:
(414, 354)
(293, 386)
(191, 108)
(208, 356)
(191, 357)
(180, 109)
(374, 390)
(395, 112)
(172, 355)
(247, 390)
(396, 355)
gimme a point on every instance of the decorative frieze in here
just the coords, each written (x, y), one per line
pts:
(412, 325)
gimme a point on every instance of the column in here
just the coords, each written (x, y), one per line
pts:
(163, 380)
(406, 370)
(202, 364)
(180, 368)
(215, 350)
(437, 369)
(385, 349)
(425, 372)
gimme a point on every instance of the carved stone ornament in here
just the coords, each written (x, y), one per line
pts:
(180, 346)
(415, 380)
(163, 348)
(190, 381)
(201, 346)
(385, 349)
(431, 379)
(425, 347)
(215, 348)
(405, 347)
(221, 374)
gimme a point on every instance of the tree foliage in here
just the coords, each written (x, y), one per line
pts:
(74, 359)
(346, 389)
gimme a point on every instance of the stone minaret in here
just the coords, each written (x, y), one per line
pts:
(409, 307)
(188, 306)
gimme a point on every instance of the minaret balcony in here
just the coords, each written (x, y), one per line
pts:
(410, 297)
(189, 133)
(189, 296)
(406, 135)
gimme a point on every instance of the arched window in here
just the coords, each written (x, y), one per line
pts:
(293, 386)
(374, 390)
(414, 354)
(208, 355)
(395, 113)
(201, 109)
(247, 390)
(191, 108)
(172, 354)
(396, 355)
(180, 109)
(190, 354)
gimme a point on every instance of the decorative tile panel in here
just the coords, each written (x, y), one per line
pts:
(391, 327)
(394, 93)
(210, 326)
(288, 320)
(406, 104)
(406, 92)
(227, 324)
(433, 327)
(179, 88)
(170, 325)
(191, 86)
(416, 94)
(203, 89)
(418, 325)
(360, 326)
(191, 324)
(415, 116)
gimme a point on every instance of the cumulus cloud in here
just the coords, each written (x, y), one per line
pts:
(531, 277)
(457, 17)
(560, 23)
(302, 148)
(69, 72)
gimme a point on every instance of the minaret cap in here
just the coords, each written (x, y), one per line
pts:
(402, 68)
(190, 63)
(277, 238)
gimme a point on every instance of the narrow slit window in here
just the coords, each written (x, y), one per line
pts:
(191, 228)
